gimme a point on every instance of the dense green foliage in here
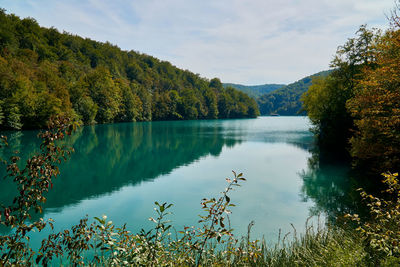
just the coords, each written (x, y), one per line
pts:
(254, 90)
(44, 72)
(357, 106)
(286, 100)
(326, 99)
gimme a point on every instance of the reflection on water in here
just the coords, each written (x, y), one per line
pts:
(329, 186)
(121, 169)
(108, 157)
(112, 156)
(333, 187)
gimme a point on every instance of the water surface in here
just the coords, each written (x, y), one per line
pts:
(121, 169)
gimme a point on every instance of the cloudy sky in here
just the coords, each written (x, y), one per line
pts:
(240, 41)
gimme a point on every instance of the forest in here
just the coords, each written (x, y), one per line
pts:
(286, 100)
(44, 73)
(255, 90)
(356, 109)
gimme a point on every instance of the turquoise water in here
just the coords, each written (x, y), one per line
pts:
(121, 169)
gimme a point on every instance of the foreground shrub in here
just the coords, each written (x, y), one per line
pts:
(32, 182)
(382, 233)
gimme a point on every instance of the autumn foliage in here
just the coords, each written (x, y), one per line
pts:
(376, 108)
(357, 107)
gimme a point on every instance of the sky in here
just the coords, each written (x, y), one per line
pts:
(239, 41)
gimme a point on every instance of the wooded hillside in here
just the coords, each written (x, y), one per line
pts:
(255, 90)
(44, 72)
(287, 100)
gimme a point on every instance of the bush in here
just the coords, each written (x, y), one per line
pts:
(382, 233)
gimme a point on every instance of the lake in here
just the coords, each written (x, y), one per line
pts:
(121, 169)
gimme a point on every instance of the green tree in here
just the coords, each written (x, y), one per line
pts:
(104, 93)
(87, 109)
(146, 99)
(216, 83)
(131, 105)
(211, 103)
(188, 107)
(13, 120)
(1, 112)
(225, 104)
(325, 102)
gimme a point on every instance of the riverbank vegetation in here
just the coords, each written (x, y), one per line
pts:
(356, 107)
(45, 73)
(355, 112)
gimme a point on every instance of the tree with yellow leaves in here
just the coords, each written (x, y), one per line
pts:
(375, 108)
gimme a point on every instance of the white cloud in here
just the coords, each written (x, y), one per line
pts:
(243, 41)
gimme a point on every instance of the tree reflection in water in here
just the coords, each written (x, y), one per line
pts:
(332, 185)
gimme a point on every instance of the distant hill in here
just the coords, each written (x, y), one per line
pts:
(254, 90)
(286, 100)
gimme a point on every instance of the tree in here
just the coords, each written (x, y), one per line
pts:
(189, 105)
(216, 83)
(14, 118)
(225, 104)
(211, 103)
(173, 101)
(325, 102)
(376, 108)
(1, 112)
(105, 94)
(87, 109)
(131, 105)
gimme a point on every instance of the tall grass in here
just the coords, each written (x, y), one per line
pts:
(328, 246)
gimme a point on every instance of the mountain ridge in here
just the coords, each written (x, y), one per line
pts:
(279, 99)
(255, 90)
(286, 100)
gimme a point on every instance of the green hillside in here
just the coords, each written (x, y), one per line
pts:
(286, 100)
(44, 72)
(255, 90)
